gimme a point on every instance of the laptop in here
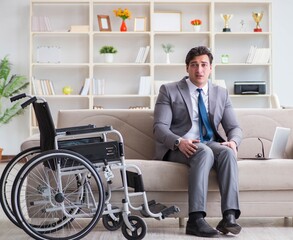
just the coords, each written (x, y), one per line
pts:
(278, 146)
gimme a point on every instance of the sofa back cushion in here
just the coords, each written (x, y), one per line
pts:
(262, 123)
(136, 127)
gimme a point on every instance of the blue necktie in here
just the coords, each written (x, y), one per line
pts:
(204, 123)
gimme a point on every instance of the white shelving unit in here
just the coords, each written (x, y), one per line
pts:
(80, 58)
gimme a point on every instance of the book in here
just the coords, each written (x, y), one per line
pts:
(86, 87)
(258, 55)
(79, 28)
(52, 89)
(38, 87)
(145, 54)
(98, 86)
(251, 54)
(140, 54)
(144, 86)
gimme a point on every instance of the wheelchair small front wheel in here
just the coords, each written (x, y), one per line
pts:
(139, 226)
(110, 224)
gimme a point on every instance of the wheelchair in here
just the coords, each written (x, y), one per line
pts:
(61, 189)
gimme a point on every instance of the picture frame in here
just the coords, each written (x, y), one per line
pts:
(140, 24)
(167, 22)
(104, 23)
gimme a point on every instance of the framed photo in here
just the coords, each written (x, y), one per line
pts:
(140, 24)
(104, 23)
(167, 21)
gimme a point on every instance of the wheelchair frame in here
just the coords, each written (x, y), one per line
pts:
(59, 164)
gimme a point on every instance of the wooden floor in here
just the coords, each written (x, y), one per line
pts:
(252, 229)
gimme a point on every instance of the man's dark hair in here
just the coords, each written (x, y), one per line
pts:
(198, 51)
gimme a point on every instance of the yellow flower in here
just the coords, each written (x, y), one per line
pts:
(124, 14)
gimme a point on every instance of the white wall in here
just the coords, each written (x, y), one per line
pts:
(283, 51)
(14, 40)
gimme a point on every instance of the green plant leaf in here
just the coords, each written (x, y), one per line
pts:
(15, 84)
(10, 113)
(9, 87)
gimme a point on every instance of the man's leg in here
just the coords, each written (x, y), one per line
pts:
(200, 165)
(227, 175)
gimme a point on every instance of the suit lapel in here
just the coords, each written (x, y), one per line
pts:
(212, 98)
(184, 91)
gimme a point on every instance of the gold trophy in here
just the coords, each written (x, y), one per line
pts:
(226, 18)
(257, 16)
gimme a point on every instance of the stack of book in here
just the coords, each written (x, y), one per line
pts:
(98, 86)
(258, 55)
(41, 24)
(42, 87)
(142, 54)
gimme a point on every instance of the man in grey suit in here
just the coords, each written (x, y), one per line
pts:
(182, 137)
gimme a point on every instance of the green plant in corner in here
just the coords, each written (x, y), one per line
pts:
(108, 49)
(9, 86)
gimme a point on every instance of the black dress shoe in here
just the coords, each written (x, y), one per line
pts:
(228, 224)
(200, 228)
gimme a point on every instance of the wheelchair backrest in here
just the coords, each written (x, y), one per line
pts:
(46, 125)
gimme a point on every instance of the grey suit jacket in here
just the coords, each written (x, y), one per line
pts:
(173, 115)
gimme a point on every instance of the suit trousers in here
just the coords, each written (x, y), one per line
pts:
(210, 155)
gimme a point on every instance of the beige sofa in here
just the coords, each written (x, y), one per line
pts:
(266, 186)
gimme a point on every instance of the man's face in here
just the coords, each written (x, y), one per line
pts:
(199, 70)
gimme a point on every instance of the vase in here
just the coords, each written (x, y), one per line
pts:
(168, 58)
(123, 27)
(196, 28)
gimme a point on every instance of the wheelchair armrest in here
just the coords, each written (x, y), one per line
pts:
(89, 130)
(64, 130)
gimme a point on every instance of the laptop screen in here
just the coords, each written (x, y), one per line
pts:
(279, 143)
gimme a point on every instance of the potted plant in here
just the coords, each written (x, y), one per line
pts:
(108, 52)
(196, 23)
(168, 48)
(9, 86)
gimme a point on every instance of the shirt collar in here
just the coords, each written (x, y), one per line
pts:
(192, 87)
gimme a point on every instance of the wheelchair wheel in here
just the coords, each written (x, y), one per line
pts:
(110, 224)
(139, 226)
(58, 195)
(8, 176)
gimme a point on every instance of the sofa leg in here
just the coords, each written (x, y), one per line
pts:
(181, 222)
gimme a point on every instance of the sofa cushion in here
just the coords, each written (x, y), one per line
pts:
(253, 175)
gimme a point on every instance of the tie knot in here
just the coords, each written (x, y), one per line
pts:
(199, 90)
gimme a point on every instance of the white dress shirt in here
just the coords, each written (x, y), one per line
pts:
(193, 133)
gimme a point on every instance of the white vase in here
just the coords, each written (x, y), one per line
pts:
(109, 57)
(196, 28)
(168, 58)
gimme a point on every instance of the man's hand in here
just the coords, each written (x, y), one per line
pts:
(188, 147)
(232, 145)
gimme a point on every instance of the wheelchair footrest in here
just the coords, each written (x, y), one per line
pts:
(170, 210)
(153, 207)
(159, 208)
